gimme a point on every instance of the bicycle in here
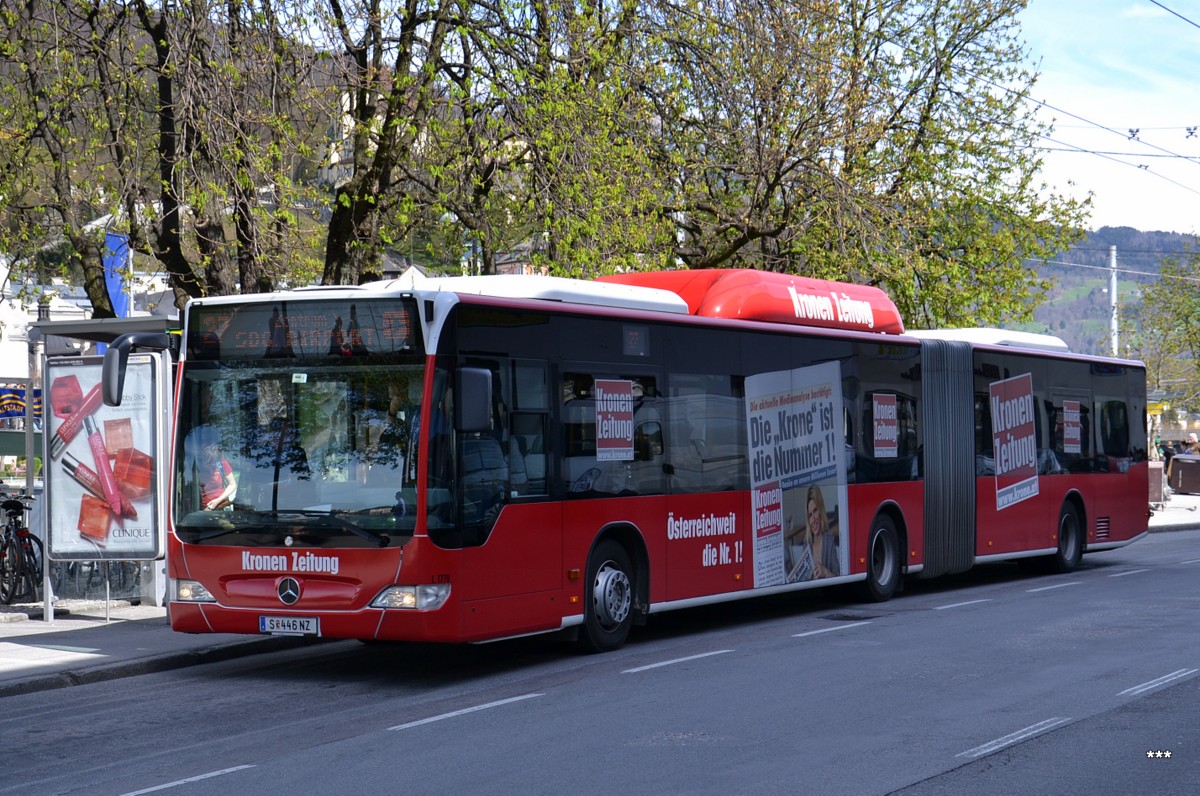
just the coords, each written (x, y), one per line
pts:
(20, 552)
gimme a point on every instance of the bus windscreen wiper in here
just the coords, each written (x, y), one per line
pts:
(219, 523)
(213, 533)
(378, 538)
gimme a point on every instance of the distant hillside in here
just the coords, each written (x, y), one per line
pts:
(1078, 306)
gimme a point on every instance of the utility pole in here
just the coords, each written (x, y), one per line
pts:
(1112, 292)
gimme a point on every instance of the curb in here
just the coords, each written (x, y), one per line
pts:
(25, 614)
(1183, 526)
(152, 664)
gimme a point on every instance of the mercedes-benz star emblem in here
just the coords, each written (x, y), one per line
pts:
(289, 591)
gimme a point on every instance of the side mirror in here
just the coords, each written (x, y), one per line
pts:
(116, 361)
(474, 404)
(648, 441)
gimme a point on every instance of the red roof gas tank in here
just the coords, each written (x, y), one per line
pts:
(747, 294)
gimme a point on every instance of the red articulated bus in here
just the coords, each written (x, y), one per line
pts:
(475, 458)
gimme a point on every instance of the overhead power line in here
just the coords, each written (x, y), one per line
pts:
(1132, 133)
(1139, 167)
(1121, 154)
(1130, 271)
(1126, 135)
(1126, 252)
(1176, 13)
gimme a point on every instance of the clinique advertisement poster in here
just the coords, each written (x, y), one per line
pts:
(102, 463)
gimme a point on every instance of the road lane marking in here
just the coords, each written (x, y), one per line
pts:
(1055, 586)
(179, 782)
(1166, 678)
(464, 711)
(674, 661)
(829, 629)
(1191, 561)
(1012, 738)
(960, 605)
(1130, 572)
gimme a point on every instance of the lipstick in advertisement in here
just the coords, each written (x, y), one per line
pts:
(70, 427)
(88, 479)
(108, 482)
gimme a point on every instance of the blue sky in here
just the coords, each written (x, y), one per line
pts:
(1123, 65)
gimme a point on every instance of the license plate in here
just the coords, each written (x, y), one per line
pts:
(290, 625)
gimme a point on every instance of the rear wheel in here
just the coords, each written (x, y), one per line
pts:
(1070, 541)
(608, 614)
(883, 560)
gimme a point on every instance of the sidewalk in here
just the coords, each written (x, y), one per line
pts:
(81, 646)
(1180, 512)
(87, 642)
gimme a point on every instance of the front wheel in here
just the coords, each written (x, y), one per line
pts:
(883, 560)
(11, 568)
(1070, 541)
(610, 598)
(32, 551)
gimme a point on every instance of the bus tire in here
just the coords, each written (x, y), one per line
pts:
(609, 600)
(1070, 541)
(883, 560)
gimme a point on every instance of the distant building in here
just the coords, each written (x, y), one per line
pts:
(16, 314)
(519, 261)
(19, 306)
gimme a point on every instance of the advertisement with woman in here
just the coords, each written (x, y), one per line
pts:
(797, 474)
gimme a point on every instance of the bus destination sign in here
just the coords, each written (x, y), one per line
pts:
(308, 329)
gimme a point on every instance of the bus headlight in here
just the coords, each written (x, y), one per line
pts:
(191, 591)
(426, 597)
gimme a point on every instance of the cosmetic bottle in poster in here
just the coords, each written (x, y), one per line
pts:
(65, 396)
(118, 436)
(103, 469)
(134, 472)
(94, 519)
(87, 478)
(70, 427)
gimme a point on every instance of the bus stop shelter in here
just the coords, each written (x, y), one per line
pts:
(50, 338)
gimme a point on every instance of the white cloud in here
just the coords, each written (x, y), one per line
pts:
(1138, 10)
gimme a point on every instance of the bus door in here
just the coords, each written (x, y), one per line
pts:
(613, 454)
(1119, 423)
(510, 531)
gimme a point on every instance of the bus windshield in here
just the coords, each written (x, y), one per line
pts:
(308, 453)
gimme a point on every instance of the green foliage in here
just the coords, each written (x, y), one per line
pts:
(92, 138)
(888, 143)
(1164, 329)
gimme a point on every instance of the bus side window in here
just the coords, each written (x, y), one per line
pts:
(531, 407)
(705, 430)
(1114, 435)
(579, 467)
(848, 441)
(485, 478)
(529, 438)
(985, 464)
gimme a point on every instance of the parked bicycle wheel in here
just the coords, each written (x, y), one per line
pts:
(11, 566)
(32, 552)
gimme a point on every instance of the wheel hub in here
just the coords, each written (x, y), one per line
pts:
(882, 559)
(612, 595)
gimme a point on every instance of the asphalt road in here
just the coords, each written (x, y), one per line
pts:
(993, 682)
